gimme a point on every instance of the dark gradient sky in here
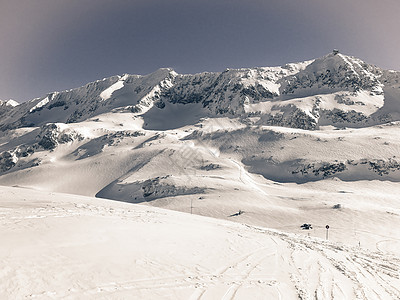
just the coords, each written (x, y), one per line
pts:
(51, 45)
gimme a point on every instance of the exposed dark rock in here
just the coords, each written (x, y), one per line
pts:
(324, 169)
(210, 167)
(7, 160)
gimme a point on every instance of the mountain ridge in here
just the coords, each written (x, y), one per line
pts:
(337, 121)
(277, 94)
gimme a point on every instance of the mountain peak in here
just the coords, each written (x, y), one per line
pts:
(9, 102)
(336, 60)
(332, 73)
(163, 72)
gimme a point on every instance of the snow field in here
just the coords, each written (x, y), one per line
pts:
(66, 246)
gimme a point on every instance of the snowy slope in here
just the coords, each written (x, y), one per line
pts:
(221, 166)
(58, 246)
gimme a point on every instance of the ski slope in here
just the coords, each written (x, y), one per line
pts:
(58, 246)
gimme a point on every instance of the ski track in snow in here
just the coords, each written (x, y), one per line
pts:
(338, 271)
(245, 178)
(233, 275)
(360, 266)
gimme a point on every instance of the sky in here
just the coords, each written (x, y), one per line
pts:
(53, 45)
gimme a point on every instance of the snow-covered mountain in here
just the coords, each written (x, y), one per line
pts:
(332, 90)
(244, 113)
(313, 142)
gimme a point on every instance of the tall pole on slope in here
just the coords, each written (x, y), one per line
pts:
(327, 229)
(191, 206)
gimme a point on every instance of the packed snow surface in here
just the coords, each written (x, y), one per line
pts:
(57, 246)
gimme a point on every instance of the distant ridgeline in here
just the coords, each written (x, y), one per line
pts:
(334, 90)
